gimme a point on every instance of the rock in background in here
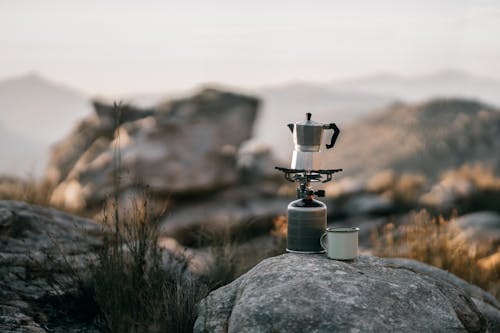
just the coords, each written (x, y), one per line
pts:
(189, 153)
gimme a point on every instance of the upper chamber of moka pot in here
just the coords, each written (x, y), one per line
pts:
(307, 136)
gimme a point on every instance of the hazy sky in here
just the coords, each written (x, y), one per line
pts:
(140, 46)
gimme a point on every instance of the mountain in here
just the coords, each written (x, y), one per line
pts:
(39, 109)
(34, 113)
(20, 156)
(448, 83)
(427, 138)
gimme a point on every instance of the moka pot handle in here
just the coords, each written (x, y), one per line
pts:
(336, 132)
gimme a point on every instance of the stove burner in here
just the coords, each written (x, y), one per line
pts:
(307, 176)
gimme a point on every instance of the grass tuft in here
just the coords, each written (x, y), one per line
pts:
(438, 242)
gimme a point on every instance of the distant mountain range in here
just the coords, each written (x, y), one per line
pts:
(20, 155)
(448, 83)
(39, 109)
(34, 113)
(34, 109)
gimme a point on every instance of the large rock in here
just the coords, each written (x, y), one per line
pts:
(98, 127)
(40, 249)
(310, 293)
(244, 212)
(186, 146)
(481, 227)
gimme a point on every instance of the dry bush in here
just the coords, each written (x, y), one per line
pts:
(280, 227)
(482, 177)
(222, 270)
(29, 190)
(404, 189)
(437, 241)
(133, 289)
(233, 257)
(468, 188)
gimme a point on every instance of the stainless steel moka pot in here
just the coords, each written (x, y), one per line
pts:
(307, 136)
(306, 215)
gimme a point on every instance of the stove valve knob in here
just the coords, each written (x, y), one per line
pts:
(320, 193)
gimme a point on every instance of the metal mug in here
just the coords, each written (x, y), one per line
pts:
(340, 243)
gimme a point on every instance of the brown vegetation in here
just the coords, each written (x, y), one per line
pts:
(436, 241)
(134, 290)
(30, 191)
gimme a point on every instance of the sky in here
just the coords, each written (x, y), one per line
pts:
(109, 47)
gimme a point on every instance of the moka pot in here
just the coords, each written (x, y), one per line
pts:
(307, 136)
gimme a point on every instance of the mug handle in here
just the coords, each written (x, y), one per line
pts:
(322, 241)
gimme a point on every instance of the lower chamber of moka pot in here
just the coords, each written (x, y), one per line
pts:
(306, 225)
(304, 160)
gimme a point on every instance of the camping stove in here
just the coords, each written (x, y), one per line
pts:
(307, 216)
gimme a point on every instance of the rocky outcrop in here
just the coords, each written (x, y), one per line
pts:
(487, 304)
(88, 138)
(310, 293)
(427, 138)
(40, 249)
(185, 146)
(481, 226)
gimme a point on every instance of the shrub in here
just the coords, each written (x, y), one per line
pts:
(30, 191)
(437, 241)
(134, 290)
(232, 258)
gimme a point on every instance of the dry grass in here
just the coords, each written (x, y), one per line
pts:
(481, 176)
(466, 189)
(404, 189)
(136, 292)
(30, 191)
(233, 257)
(437, 241)
(133, 287)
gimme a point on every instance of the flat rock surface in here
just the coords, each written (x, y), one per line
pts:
(310, 293)
(39, 250)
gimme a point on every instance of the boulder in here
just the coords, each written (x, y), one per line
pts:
(445, 194)
(243, 212)
(185, 146)
(96, 127)
(310, 293)
(481, 226)
(486, 303)
(40, 249)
